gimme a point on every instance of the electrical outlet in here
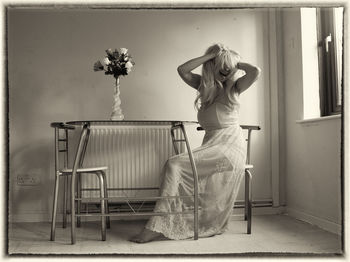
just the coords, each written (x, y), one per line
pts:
(27, 180)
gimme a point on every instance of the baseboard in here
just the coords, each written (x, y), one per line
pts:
(237, 213)
(317, 221)
(44, 217)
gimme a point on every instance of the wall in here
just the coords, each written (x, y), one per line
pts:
(313, 186)
(51, 53)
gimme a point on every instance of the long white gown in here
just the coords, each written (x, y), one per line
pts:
(220, 164)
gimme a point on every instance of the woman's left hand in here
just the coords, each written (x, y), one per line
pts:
(230, 76)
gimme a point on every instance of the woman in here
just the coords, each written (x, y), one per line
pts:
(219, 160)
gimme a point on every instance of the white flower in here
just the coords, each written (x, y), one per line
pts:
(106, 61)
(128, 65)
(123, 50)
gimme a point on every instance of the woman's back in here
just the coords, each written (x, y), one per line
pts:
(223, 112)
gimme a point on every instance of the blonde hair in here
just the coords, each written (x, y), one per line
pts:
(209, 87)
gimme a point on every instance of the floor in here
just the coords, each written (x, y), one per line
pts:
(271, 235)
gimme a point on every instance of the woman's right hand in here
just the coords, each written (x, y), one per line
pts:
(216, 51)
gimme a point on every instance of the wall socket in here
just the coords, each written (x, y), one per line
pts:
(27, 180)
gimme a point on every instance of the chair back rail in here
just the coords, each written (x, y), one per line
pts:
(59, 128)
(61, 125)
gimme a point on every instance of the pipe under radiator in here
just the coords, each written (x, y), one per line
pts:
(134, 154)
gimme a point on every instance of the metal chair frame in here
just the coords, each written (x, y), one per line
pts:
(79, 158)
(248, 180)
(78, 161)
(75, 173)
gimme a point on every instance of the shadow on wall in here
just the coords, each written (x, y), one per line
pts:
(32, 177)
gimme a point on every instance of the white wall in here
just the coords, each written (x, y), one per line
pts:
(313, 178)
(51, 53)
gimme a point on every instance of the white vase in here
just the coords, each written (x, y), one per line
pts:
(116, 110)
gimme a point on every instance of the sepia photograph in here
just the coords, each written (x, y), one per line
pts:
(175, 129)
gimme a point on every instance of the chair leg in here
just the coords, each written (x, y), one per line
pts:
(102, 204)
(72, 207)
(65, 183)
(248, 200)
(106, 201)
(54, 208)
(246, 195)
(79, 201)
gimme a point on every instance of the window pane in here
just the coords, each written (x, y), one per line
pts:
(338, 19)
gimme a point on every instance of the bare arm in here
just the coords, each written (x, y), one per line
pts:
(251, 75)
(185, 69)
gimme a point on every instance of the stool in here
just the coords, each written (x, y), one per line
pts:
(65, 172)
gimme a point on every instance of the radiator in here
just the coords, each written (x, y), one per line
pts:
(134, 154)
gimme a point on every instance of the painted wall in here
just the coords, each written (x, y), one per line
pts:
(51, 55)
(312, 149)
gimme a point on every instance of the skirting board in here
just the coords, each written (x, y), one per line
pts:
(316, 221)
(45, 217)
(236, 215)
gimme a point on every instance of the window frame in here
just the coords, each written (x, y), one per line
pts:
(328, 64)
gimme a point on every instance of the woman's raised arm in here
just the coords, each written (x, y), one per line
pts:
(251, 75)
(185, 69)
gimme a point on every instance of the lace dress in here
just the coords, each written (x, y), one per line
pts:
(220, 164)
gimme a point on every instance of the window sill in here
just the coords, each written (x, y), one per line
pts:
(318, 119)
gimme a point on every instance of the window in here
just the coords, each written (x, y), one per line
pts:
(330, 55)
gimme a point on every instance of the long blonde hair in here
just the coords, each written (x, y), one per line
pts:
(209, 87)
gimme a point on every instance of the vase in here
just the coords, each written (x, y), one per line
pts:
(116, 110)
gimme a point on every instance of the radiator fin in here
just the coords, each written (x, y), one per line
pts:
(135, 156)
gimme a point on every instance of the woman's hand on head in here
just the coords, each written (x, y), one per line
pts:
(217, 49)
(230, 79)
(232, 73)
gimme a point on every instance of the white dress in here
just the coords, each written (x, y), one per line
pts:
(220, 164)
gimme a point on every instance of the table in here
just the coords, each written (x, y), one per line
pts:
(88, 125)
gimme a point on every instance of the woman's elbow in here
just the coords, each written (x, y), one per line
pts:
(256, 71)
(180, 70)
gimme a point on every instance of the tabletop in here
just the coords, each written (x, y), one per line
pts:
(129, 122)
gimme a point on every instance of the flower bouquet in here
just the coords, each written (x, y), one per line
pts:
(117, 63)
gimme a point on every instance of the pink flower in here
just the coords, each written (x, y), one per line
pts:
(106, 61)
(109, 51)
(98, 66)
(128, 64)
(115, 63)
(123, 50)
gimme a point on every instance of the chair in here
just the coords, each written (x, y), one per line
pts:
(61, 150)
(248, 203)
(248, 180)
